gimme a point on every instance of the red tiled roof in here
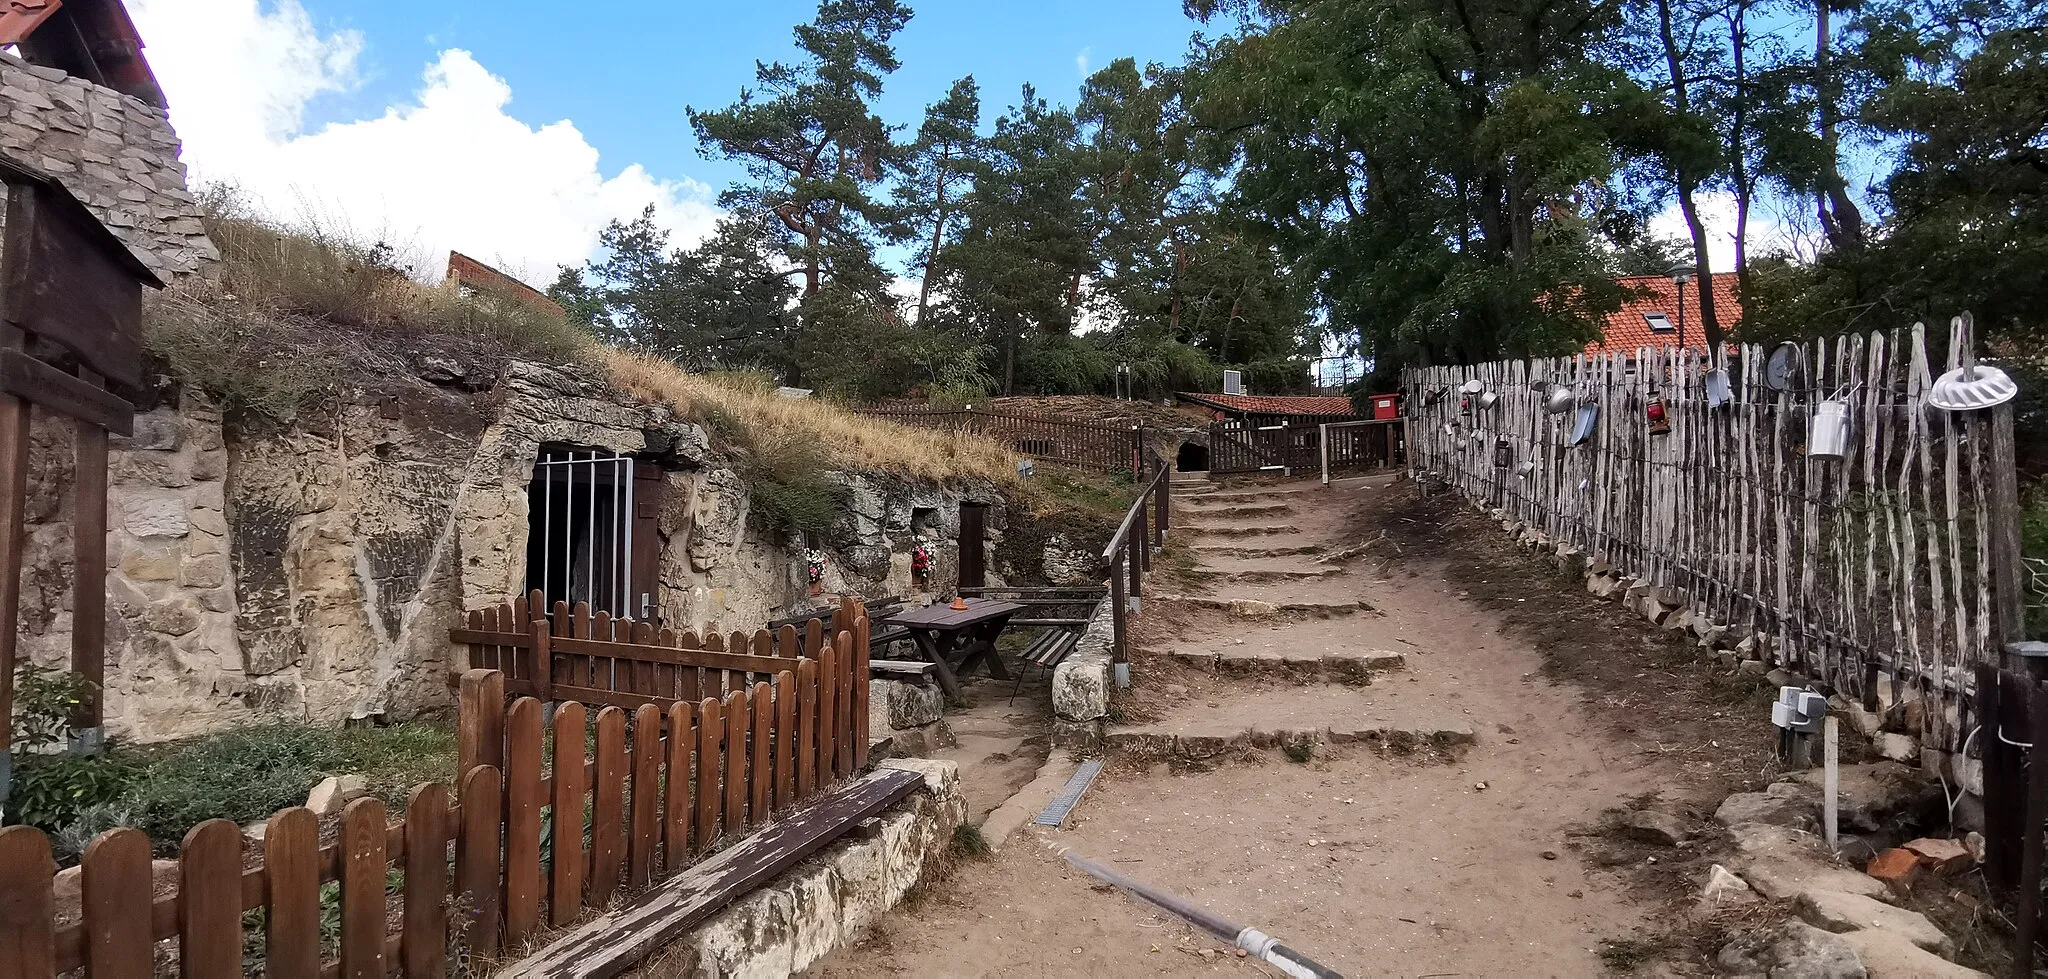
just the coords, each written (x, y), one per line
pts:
(1627, 329)
(1285, 405)
(466, 271)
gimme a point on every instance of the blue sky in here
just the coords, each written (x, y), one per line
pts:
(624, 71)
(514, 130)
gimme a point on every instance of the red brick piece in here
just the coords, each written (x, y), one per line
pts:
(1895, 867)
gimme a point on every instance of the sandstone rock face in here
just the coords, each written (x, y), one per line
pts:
(115, 153)
(311, 571)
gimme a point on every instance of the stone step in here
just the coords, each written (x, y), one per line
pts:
(1260, 530)
(1243, 608)
(1147, 745)
(1278, 550)
(1251, 510)
(1261, 576)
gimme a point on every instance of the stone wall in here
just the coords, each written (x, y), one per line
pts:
(116, 153)
(311, 571)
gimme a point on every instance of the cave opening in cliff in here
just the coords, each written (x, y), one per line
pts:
(591, 530)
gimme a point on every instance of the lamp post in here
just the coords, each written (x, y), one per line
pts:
(1681, 276)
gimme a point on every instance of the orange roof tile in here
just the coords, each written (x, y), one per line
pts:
(1627, 328)
(1282, 405)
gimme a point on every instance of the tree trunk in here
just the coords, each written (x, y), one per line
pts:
(1738, 135)
(1839, 217)
(1688, 182)
(1010, 364)
(931, 258)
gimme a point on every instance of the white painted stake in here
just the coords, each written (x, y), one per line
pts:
(1831, 787)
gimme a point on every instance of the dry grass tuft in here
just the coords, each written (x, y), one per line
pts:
(746, 408)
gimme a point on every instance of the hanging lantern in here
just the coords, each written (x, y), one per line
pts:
(1659, 416)
(1828, 438)
(1503, 454)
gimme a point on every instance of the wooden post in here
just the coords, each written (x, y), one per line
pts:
(2027, 926)
(543, 659)
(480, 721)
(89, 576)
(2009, 618)
(13, 494)
(1116, 607)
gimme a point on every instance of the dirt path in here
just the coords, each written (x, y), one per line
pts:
(1468, 861)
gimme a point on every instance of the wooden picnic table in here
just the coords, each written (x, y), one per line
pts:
(955, 640)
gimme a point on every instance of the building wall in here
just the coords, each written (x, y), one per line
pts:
(311, 571)
(116, 153)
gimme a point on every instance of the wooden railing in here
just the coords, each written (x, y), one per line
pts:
(1092, 445)
(1129, 555)
(659, 791)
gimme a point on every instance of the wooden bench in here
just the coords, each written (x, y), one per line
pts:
(906, 669)
(1046, 652)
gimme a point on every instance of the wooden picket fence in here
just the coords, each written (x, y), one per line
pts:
(1090, 445)
(660, 792)
(570, 653)
(1897, 563)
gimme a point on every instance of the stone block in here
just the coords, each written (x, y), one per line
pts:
(912, 704)
(1838, 912)
(155, 513)
(156, 430)
(1787, 804)
(1724, 889)
(1940, 856)
(210, 571)
(1899, 747)
(335, 792)
(149, 563)
(172, 617)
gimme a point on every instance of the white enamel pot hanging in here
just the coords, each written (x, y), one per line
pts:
(1718, 390)
(1582, 426)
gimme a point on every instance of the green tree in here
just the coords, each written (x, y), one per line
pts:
(933, 174)
(1422, 161)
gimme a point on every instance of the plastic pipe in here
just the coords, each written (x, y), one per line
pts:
(1253, 941)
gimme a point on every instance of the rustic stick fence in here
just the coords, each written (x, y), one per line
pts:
(550, 816)
(1128, 556)
(1896, 564)
(1090, 445)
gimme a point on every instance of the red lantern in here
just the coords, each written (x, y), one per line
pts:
(1660, 420)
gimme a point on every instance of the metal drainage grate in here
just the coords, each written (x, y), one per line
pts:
(1070, 795)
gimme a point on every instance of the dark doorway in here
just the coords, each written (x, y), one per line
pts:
(973, 545)
(1193, 457)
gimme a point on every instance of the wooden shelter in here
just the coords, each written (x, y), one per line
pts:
(70, 328)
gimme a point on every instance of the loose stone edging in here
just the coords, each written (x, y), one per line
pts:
(1266, 576)
(787, 926)
(1230, 550)
(1081, 684)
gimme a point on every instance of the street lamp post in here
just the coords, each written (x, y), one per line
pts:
(1681, 276)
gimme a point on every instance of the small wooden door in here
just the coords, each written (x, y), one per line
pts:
(973, 545)
(646, 557)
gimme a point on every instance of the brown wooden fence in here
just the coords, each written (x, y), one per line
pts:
(1092, 445)
(659, 791)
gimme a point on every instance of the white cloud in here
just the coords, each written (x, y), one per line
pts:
(1081, 61)
(448, 168)
(1769, 231)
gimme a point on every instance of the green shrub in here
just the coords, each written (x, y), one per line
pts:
(787, 486)
(44, 703)
(52, 792)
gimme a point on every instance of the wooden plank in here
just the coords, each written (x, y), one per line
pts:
(480, 720)
(761, 754)
(787, 644)
(609, 945)
(117, 890)
(736, 722)
(806, 727)
(608, 808)
(710, 736)
(523, 802)
(675, 831)
(842, 737)
(828, 717)
(707, 659)
(814, 637)
(476, 858)
(861, 627)
(424, 945)
(27, 906)
(785, 739)
(625, 937)
(565, 889)
(646, 813)
(542, 658)
(291, 919)
(209, 900)
(59, 284)
(642, 670)
(362, 890)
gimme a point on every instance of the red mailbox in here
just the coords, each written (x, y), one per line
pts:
(1386, 406)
